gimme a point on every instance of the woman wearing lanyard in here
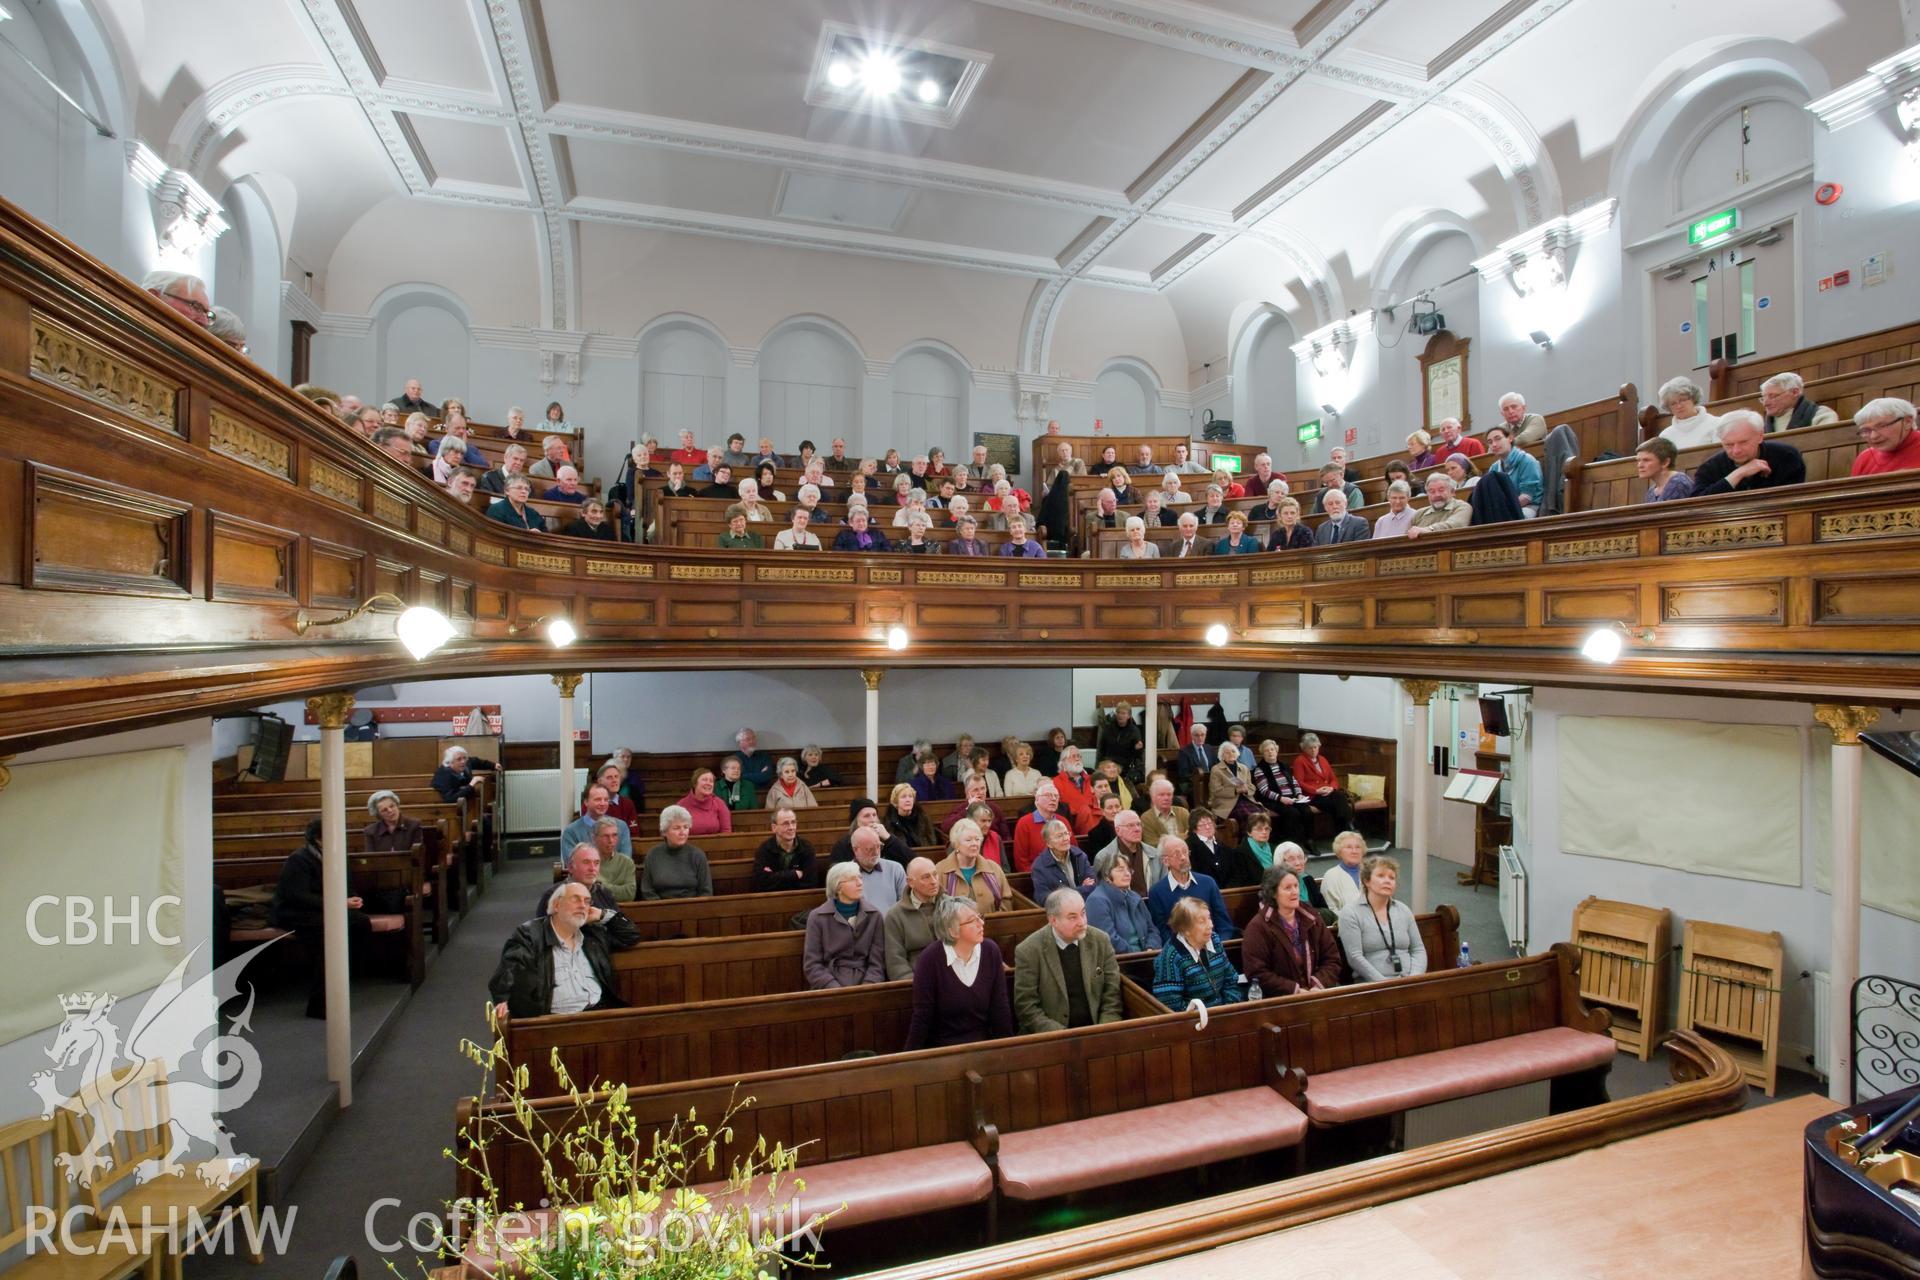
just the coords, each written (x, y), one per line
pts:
(1378, 934)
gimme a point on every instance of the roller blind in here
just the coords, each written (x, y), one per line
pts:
(1889, 816)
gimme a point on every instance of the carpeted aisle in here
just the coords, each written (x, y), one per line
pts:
(388, 1145)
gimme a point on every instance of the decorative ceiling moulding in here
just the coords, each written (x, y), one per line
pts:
(341, 325)
(1887, 82)
(298, 304)
(1334, 341)
(1536, 260)
(518, 59)
(1532, 179)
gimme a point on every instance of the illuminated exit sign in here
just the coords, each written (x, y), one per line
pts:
(1309, 431)
(1712, 228)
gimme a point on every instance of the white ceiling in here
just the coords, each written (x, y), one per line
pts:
(1125, 142)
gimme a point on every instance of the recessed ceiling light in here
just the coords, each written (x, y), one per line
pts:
(839, 73)
(929, 90)
(880, 74)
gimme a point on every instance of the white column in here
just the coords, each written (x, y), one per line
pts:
(1418, 749)
(1150, 676)
(331, 711)
(872, 676)
(569, 799)
(1847, 722)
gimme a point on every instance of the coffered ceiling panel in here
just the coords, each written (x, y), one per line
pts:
(615, 171)
(1420, 34)
(981, 222)
(1145, 246)
(424, 41)
(465, 152)
(1298, 123)
(1273, 13)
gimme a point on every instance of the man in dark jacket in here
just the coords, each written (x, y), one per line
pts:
(784, 859)
(1747, 459)
(561, 962)
(1121, 739)
(299, 906)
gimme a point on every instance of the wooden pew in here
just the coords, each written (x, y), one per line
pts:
(1825, 360)
(367, 874)
(452, 844)
(1829, 453)
(1844, 393)
(430, 883)
(464, 818)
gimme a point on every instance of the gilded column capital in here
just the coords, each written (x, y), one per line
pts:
(1421, 691)
(330, 710)
(872, 676)
(566, 682)
(1150, 677)
(1847, 721)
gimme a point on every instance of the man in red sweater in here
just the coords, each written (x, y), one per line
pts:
(688, 454)
(1453, 441)
(1886, 430)
(1076, 792)
(1029, 831)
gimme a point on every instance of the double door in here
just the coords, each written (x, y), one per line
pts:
(1733, 302)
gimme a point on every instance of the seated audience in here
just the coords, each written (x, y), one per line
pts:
(1462, 470)
(1256, 483)
(594, 805)
(1117, 911)
(1171, 494)
(862, 813)
(1653, 462)
(784, 859)
(1102, 833)
(798, 537)
(1785, 405)
(1288, 949)
(1379, 934)
(907, 928)
(448, 457)
(1143, 465)
(1064, 972)
(1238, 541)
(675, 867)
(566, 487)
(454, 779)
(1333, 479)
(886, 877)
(394, 444)
(1179, 880)
(1255, 854)
(1691, 425)
(765, 485)
(1075, 787)
(735, 453)
(756, 766)
(813, 769)
(1192, 966)
(418, 430)
(1211, 855)
(391, 831)
(1280, 793)
(1443, 511)
(789, 790)
(1420, 454)
(916, 543)
(966, 541)
(996, 826)
(186, 296)
(592, 522)
(1747, 460)
(930, 782)
(1063, 866)
(707, 812)
(1047, 757)
(1190, 543)
(1518, 466)
(512, 508)
(1321, 783)
(1399, 514)
(1289, 534)
(904, 767)
(738, 537)
(620, 806)
(553, 456)
(1527, 428)
(1338, 527)
(1453, 439)
(1887, 428)
(960, 986)
(1136, 547)
(584, 867)
(1162, 816)
(1341, 887)
(1230, 786)
(1022, 779)
(750, 503)
(845, 945)
(966, 873)
(1397, 469)
(857, 536)
(298, 906)
(559, 963)
(1156, 514)
(703, 472)
(676, 485)
(733, 789)
(1213, 506)
(1018, 543)
(903, 817)
(723, 485)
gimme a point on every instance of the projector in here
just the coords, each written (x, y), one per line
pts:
(1428, 322)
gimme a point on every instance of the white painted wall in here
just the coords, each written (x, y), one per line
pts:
(1364, 705)
(1801, 914)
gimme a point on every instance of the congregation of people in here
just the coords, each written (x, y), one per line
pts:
(1121, 866)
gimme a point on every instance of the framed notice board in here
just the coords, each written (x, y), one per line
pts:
(1443, 381)
(1003, 447)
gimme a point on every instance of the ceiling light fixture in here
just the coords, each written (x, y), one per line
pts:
(420, 629)
(1218, 635)
(929, 90)
(880, 74)
(1605, 644)
(559, 631)
(897, 638)
(839, 73)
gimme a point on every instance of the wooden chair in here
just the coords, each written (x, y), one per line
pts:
(1730, 993)
(165, 1212)
(33, 1190)
(1624, 951)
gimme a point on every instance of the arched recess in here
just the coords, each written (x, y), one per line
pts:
(422, 331)
(1266, 397)
(811, 370)
(1126, 397)
(246, 271)
(683, 379)
(930, 383)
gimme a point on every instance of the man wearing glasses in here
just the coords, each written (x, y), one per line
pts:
(185, 293)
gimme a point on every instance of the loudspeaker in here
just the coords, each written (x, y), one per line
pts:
(272, 740)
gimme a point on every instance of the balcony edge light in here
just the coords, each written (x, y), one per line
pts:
(558, 629)
(897, 638)
(420, 629)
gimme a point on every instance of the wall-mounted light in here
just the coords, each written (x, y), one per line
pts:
(1329, 410)
(1218, 635)
(1541, 339)
(897, 638)
(559, 631)
(1535, 261)
(1604, 644)
(420, 629)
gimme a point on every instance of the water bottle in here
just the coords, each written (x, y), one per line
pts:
(1253, 989)
(1466, 957)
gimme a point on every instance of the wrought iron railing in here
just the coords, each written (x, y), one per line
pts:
(1886, 1036)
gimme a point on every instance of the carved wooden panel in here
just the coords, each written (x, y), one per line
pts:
(65, 358)
(529, 608)
(542, 562)
(1723, 602)
(1855, 526)
(1340, 613)
(1571, 607)
(1870, 599)
(1051, 615)
(489, 605)
(691, 613)
(1146, 580)
(828, 574)
(885, 577)
(704, 572)
(1405, 566)
(389, 575)
(1723, 537)
(1418, 611)
(884, 613)
(390, 508)
(1276, 576)
(430, 589)
(460, 599)
(1210, 578)
(1614, 546)
(494, 553)
(1119, 615)
(460, 542)
(1490, 558)
(623, 612)
(1339, 570)
(1504, 610)
(618, 569)
(430, 527)
(1051, 582)
(333, 482)
(246, 443)
(1278, 613)
(959, 578)
(88, 535)
(252, 562)
(990, 616)
(336, 575)
(823, 612)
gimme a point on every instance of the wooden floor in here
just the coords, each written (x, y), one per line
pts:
(1720, 1198)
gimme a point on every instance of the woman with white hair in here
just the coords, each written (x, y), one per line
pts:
(448, 458)
(750, 501)
(965, 873)
(1136, 547)
(1230, 787)
(846, 944)
(675, 867)
(454, 778)
(788, 790)
(1691, 425)
(391, 831)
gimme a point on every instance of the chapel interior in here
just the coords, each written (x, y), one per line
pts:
(584, 579)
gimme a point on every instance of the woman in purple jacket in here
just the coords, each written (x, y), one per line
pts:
(959, 987)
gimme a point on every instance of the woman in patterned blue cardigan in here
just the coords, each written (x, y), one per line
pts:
(1191, 967)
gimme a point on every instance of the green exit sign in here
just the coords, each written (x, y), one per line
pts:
(1227, 462)
(1309, 431)
(1713, 227)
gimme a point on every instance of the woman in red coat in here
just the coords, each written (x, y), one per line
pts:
(1288, 949)
(1321, 783)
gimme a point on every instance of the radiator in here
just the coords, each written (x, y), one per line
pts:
(532, 800)
(1480, 1113)
(1822, 1024)
(1513, 899)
